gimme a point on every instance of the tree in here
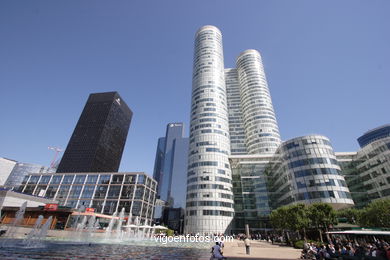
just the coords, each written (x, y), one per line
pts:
(322, 215)
(278, 218)
(298, 219)
(376, 214)
(350, 214)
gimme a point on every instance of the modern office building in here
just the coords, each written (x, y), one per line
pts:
(6, 167)
(355, 183)
(12, 172)
(236, 124)
(209, 207)
(374, 134)
(261, 128)
(231, 114)
(170, 171)
(305, 170)
(372, 165)
(20, 170)
(99, 137)
(251, 200)
(106, 193)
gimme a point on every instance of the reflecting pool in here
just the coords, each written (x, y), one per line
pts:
(63, 250)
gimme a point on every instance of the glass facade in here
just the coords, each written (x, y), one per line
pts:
(261, 128)
(20, 170)
(251, 201)
(370, 170)
(6, 167)
(170, 169)
(305, 170)
(209, 204)
(106, 193)
(374, 134)
(236, 125)
(98, 140)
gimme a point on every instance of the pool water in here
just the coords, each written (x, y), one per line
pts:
(61, 250)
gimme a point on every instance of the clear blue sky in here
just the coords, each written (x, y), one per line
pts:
(327, 64)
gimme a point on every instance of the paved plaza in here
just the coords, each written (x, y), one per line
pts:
(260, 250)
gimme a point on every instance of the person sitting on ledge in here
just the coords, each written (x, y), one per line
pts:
(216, 252)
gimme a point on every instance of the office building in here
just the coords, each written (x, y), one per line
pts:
(374, 134)
(305, 170)
(170, 171)
(106, 193)
(261, 128)
(12, 172)
(368, 172)
(251, 198)
(99, 137)
(209, 207)
(231, 114)
(21, 170)
(6, 167)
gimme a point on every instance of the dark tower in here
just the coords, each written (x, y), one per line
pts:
(99, 137)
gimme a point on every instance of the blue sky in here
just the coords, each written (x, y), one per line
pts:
(327, 64)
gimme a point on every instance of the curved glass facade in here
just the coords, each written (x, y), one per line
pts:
(209, 203)
(374, 134)
(261, 128)
(373, 168)
(305, 170)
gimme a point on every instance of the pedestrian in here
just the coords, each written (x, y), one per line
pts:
(216, 252)
(247, 245)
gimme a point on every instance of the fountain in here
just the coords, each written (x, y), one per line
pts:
(13, 228)
(34, 232)
(110, 226)
(39, 232)
(119, 224)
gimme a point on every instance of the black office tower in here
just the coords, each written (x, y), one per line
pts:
(99, 138)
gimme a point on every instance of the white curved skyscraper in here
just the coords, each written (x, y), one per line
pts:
(261, 127)
(231, 113)
(209, 207)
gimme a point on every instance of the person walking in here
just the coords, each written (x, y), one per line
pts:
(247, 243)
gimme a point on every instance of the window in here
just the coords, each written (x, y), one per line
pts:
(91, 179)
(88, 191)
(79, 179)
(56, 180)
(68, 179)
(104, 179)
(45, 179)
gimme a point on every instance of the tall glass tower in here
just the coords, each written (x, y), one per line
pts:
(209, 203)
(261, 127)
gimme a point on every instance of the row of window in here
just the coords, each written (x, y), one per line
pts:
(210, 203)
(316, 171)
(90, 179)
(310, 161)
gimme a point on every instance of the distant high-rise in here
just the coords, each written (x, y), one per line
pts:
(171, 165)
(99, 137)
(170, 171)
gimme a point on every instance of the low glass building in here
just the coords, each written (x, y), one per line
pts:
(372, 166)
(104, 192)
(251, 202)
(305, 170)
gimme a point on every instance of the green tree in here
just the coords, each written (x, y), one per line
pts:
(298, 219)
(279, 219)
(322, 215)
(376, 214)
(350, 214)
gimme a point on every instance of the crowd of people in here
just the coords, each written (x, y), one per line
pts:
(347, 250)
